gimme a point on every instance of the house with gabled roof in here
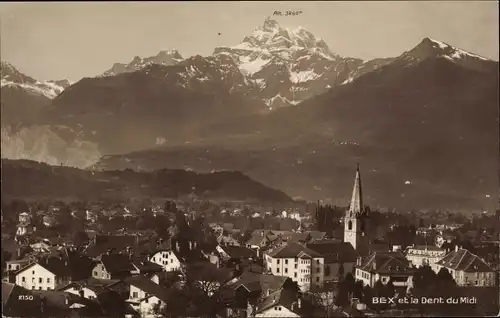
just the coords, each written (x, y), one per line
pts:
(283, 303)
(385, 266)
(91, 288)
(44, 274)
(114, 266)
(145, 295)
(467, 269)
(303, 265)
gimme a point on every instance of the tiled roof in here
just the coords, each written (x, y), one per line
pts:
(205, 271)
(292, 250)
(238, 251)
(117, 263)
(463, 260)
(55, 265)
(103, 243)
(260, 282)
(386, 263)
(307, 236)
(287, 299)
(334, 251)
(147, 266)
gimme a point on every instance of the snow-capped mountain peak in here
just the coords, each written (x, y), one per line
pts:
(431, 48)
(286, 65)
(165, 57)
(13, 78)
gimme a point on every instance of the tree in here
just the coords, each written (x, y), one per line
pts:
(424, 279)
(345, 290)
(341, 271)
(444, 279)
(325, 300)
(358, 290)
(390, 291)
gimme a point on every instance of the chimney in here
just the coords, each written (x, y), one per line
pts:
(194, 244)
(456, 248)
(177, 247)
(299, 303)
(190, 245)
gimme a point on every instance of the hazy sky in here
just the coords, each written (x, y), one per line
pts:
(75, 40)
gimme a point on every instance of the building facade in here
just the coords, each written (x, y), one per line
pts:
(467, 269)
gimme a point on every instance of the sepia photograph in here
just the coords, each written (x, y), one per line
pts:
(250, 159)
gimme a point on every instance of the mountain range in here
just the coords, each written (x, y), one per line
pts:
(285, 110)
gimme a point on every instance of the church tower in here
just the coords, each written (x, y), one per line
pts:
(355, 216)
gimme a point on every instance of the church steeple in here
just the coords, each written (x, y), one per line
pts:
(356, 207)
(355, 217)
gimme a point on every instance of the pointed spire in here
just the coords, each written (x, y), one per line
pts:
(356, 206)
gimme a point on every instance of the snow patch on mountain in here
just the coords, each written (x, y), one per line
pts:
(303, 76)
(250, 67)
(456, 53)
(13, 78)
(168, 57)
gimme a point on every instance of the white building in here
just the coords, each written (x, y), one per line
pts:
(467, 269)
(385, 266)
(165, 256)
(44, 275)
(302, 265)
(145, 295)
(421, 255)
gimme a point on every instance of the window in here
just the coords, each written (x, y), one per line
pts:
(277, 270)
(154, 260)
(295, 266)
(146, 300)
(286, 270)
(317, 261)
(48, 280)
(349, 225)
(95, 273)
(279, 308)
(40, 288)
(134, 295)
(277, 261)
(286, 262)
(48, 288)
(171, 260)
(40, 280)
(317, 279)
(317, 269)
(295, 274)
(33, 272)
(23, 279)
